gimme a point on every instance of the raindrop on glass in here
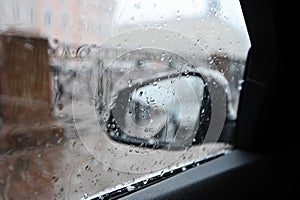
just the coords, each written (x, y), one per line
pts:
(130, 188)
(85, 196)
(129, 83)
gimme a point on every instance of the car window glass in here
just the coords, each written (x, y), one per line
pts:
(104, 96)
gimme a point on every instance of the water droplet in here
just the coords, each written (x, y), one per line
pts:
(183, 169)
(55, 179)
(59, 140)
(178, 18)
(154, 83)
(130, 188)
(87, 167)
(85, 196)
(137, 5)
(109, 170)
(145, 181)
(28, 46)
(241, 81)
(129, 83)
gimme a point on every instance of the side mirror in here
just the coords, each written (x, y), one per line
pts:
(171, 111)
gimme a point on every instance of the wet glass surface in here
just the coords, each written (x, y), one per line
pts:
(99, 94)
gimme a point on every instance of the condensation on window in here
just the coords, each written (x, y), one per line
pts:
(99, 98)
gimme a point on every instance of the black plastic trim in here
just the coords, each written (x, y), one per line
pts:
(259, 88)
(236, 175)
